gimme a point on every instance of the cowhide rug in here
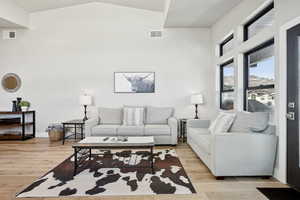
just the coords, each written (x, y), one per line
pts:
(120, 174)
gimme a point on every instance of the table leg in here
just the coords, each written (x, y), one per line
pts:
(184, 131)
(75, 161)
(181, 128)
(81, 131)
(75, 132)
(151, 160)
(90, 156)
(64, 134)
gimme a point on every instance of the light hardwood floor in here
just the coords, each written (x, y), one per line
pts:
(23, 162)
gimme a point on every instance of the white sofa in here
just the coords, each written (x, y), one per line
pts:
(242, 151)
(158, 122)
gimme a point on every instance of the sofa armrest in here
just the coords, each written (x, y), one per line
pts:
(197, 123)
(243, 154)
(173, 123)
(89, 124)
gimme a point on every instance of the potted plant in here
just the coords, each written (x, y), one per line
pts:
(24, 105)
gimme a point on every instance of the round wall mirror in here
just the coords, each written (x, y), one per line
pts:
(11, 82)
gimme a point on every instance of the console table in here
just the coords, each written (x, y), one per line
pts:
(17, 125)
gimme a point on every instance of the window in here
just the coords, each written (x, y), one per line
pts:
(226, 45)
(227, 85)
(263, 19)
(260, 78)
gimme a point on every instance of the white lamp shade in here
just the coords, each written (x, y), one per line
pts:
(85, 100)
(197, 99)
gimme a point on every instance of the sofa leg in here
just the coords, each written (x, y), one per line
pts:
(220, 178)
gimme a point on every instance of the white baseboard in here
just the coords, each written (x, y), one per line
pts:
(41, 135)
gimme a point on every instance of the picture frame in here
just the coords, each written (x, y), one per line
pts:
(134, 82)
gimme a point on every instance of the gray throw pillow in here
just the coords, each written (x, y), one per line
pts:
(110, 115)
(250, 122)
(157, 115)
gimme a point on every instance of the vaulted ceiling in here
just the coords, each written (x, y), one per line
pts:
(179, 13)
(197, 13)
(39, 5)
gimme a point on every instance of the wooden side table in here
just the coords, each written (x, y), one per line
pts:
(17, 125)
(182, 129)
(77, 123)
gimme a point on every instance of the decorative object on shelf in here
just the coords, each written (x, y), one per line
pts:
(11, 82)
(197, 99)
(55, 132)
(85, 100)
(134, 82)
(14, 106)
(19, 99)
(24, 106)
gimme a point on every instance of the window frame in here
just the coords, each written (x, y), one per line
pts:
(222, 90)
(222, 44)
(255, 18)
(246, 71)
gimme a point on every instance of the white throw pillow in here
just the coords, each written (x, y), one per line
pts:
(212, 126)
(222, 123)
(133, 116)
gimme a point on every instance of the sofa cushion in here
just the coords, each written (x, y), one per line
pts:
(203, 141)
(105, 130)
(157, 115)
(222, 123)
(110, 115)
(245, 122)
(159, 129)
(131, 130)
(133, 116)
(202, 131)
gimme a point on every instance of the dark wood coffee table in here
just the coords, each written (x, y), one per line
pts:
(76, 123)
(102, 143)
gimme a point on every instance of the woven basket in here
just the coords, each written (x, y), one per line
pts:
(55, 135)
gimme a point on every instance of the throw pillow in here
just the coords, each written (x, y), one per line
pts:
(246, 122)
(133, 116)
(158, 115)
(222, 123)
(110, 115)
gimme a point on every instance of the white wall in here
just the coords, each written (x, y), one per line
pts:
(69, 50)
(11, 12)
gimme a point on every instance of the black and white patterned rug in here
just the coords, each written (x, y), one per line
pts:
(118, 174)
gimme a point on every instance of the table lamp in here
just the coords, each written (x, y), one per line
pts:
(85, 100)
(197, 99)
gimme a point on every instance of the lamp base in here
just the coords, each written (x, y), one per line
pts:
(196, 112)
(85, 117)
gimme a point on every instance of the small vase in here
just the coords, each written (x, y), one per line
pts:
(24, 108)
(14, 106)
(19, 99)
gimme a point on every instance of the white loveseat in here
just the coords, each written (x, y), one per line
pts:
(158, 122)
(242, 151)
